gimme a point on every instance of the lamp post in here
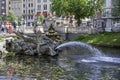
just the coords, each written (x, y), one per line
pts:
(22, 25)
(35, 25)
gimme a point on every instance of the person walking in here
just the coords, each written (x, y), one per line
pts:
(2, 28)
(71, 21)
(14, 25)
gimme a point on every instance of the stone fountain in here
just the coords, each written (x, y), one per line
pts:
(34, 43)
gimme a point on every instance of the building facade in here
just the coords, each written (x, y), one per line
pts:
(107, 20)
(43, 6)
(15, 6)
(107, 16)
(3, 7)
(29, 9)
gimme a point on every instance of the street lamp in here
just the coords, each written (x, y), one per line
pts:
(35, 25)
(22, 25)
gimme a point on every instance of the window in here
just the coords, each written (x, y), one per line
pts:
(9, 8)
(39, 7)
(44, 0)
(31, 17)
(39, 1)
(45, 6)
(24, 11)
(23, 17)
(9, 2)
(31, 4)
(31, 11)
(28, 5)
(23, 5)
(28, 17)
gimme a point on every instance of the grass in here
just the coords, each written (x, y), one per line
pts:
(104, 38)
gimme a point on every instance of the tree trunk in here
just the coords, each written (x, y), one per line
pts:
(79, 22)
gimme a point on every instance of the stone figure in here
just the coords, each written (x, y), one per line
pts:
(32, 44)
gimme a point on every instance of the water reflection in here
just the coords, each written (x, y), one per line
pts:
(63, 67)
(28, 67)
(111, 51)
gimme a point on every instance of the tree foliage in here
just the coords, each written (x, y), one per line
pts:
(59, 6)
(10, 17)
(0, 18)
(41, 18)
(80, 8)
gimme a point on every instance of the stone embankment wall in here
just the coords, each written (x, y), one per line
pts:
(70, 33)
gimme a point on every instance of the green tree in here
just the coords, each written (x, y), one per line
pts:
(60, 6)
(40, 18)
(11, 17)
(80, 8)
(3, 18)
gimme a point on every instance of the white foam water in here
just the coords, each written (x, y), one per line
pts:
(88, 60)
(107, 59)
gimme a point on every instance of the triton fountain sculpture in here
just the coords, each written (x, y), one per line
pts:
(35, 43)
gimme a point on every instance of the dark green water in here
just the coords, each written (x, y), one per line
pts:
(63, 67)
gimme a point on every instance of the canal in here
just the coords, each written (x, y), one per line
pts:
(67, 66)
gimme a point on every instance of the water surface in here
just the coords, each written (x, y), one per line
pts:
(67, 66)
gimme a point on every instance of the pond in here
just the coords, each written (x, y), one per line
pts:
(67, 66)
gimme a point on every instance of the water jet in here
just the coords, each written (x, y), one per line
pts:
(82, 52)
